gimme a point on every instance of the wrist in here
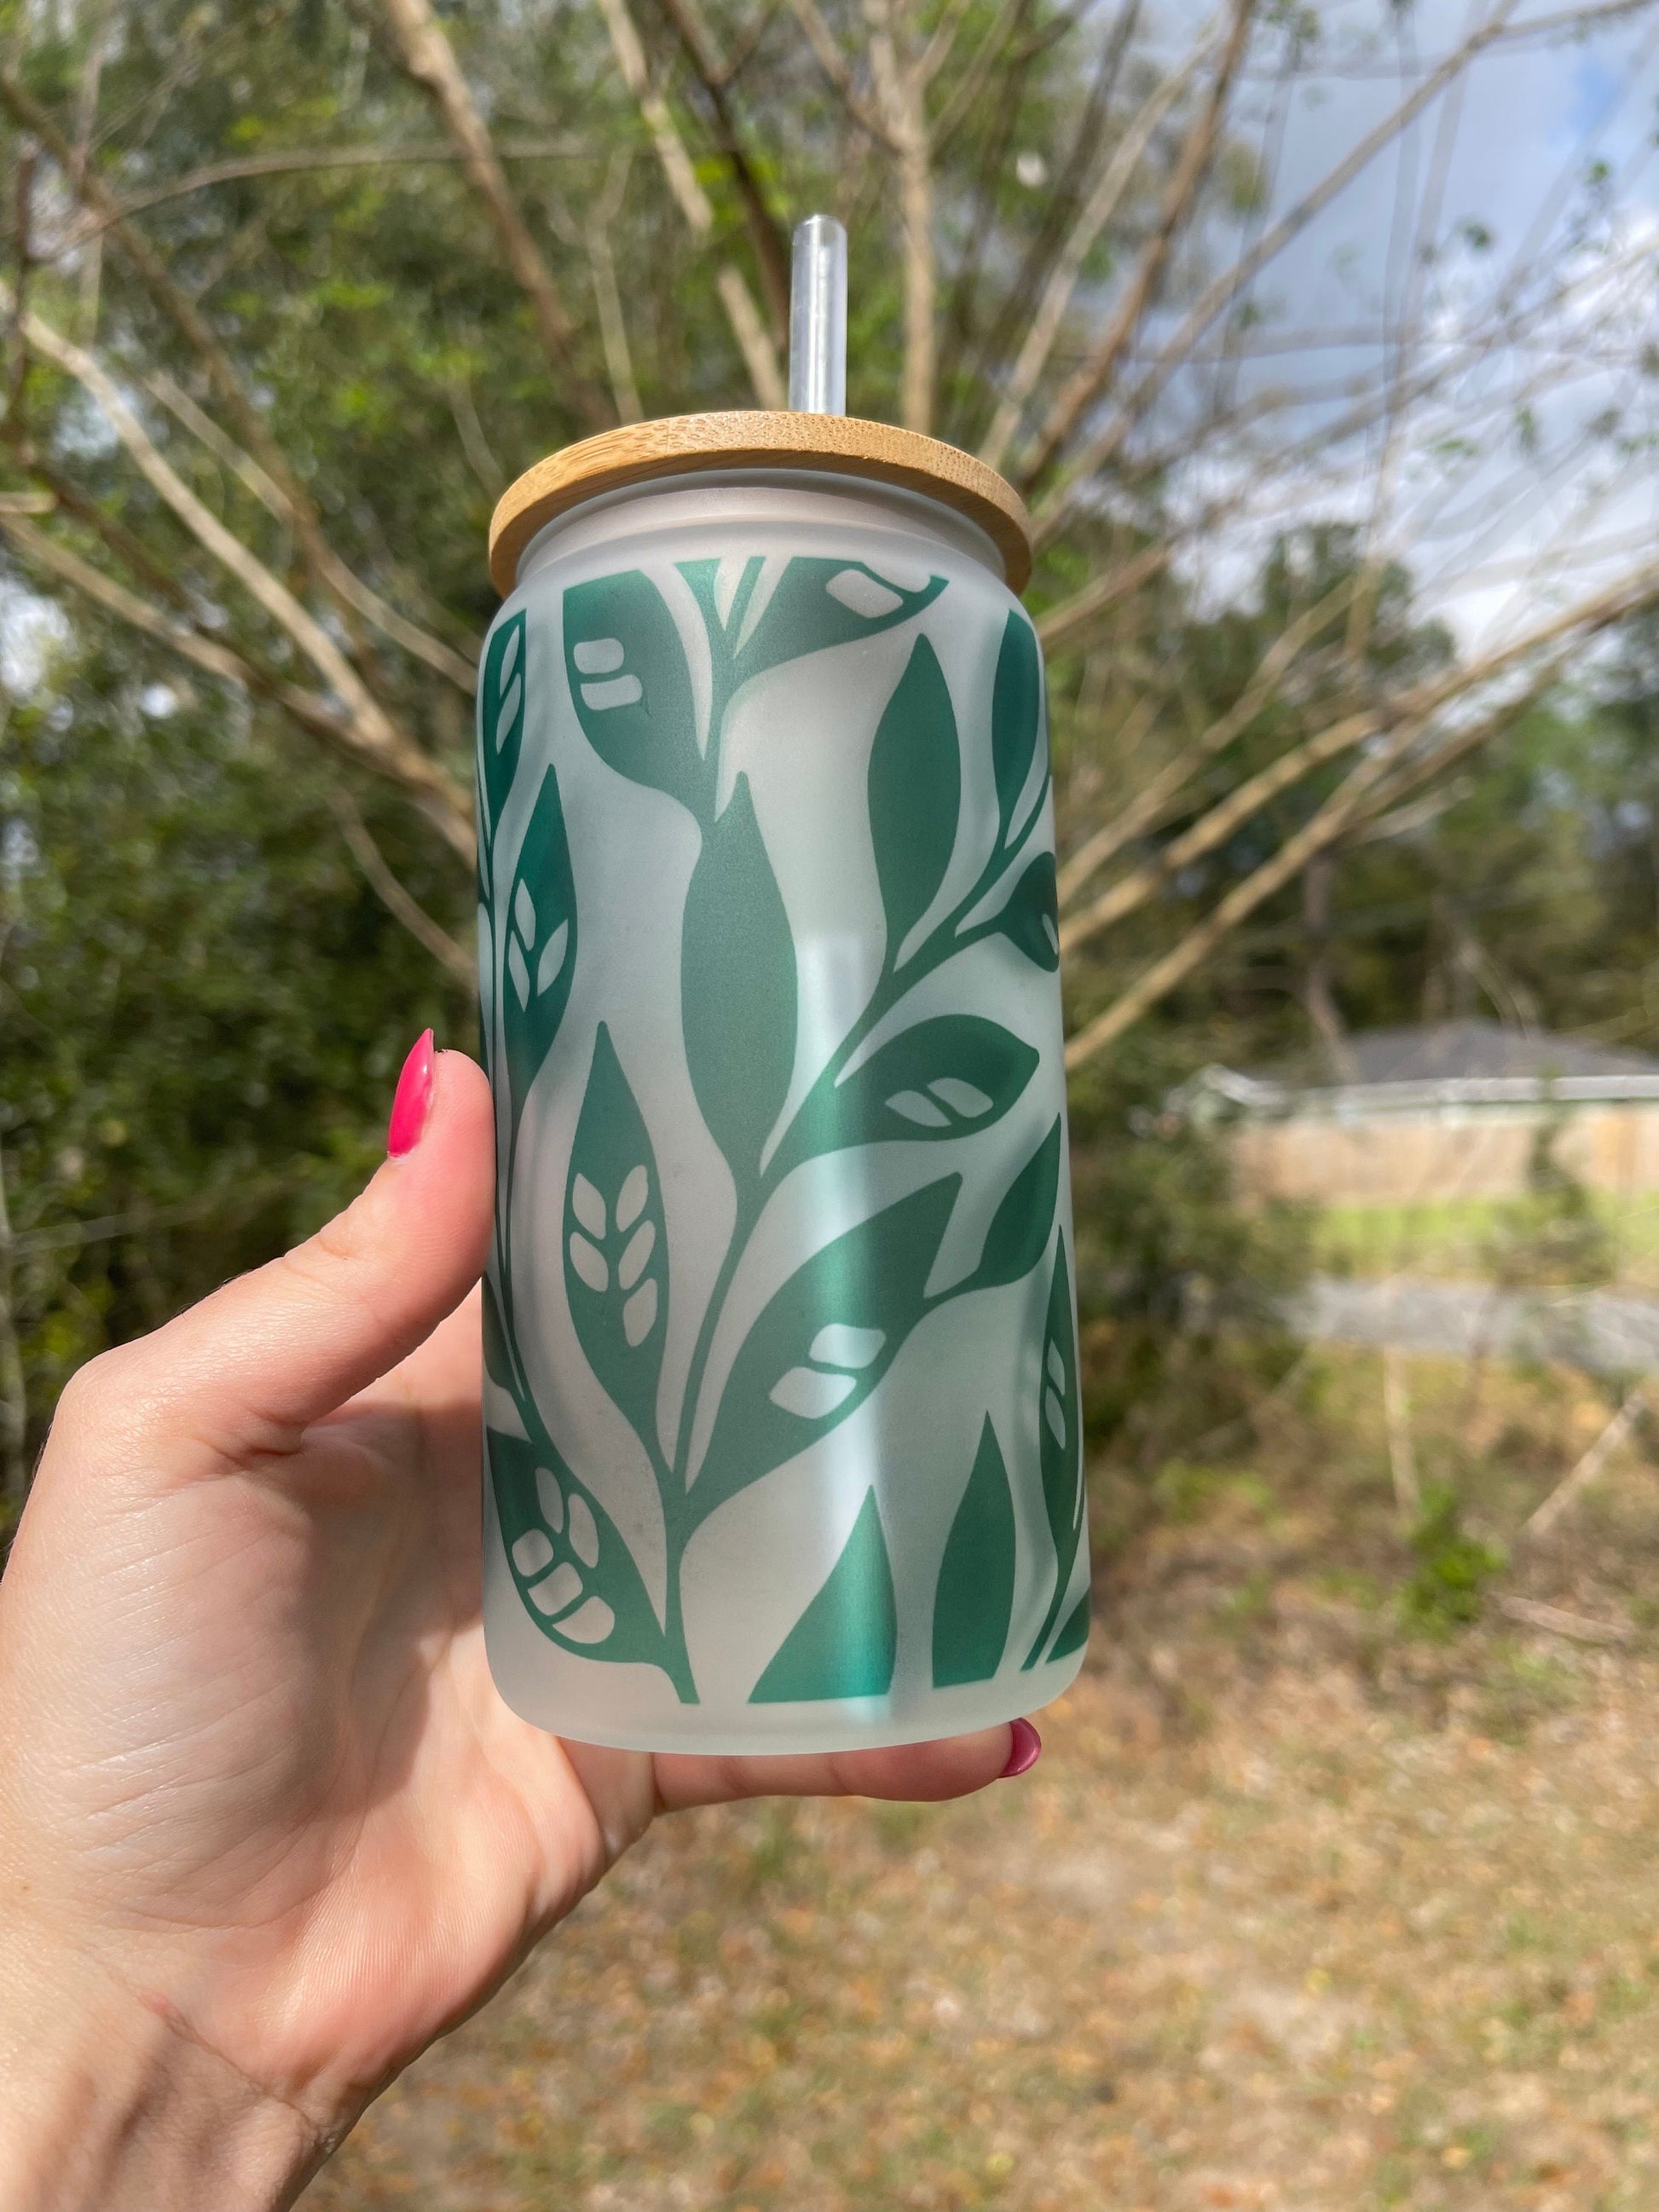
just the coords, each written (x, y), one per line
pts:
(109, 2100)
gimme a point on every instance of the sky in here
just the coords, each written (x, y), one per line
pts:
(1494, 494)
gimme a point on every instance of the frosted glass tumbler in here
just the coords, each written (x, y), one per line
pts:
(782, 1442)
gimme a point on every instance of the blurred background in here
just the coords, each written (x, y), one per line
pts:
(1323, 340)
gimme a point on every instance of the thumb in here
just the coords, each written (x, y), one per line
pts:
(249, 1368)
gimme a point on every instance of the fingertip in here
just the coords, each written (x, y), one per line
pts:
(950, 1767)
(1024, 1749)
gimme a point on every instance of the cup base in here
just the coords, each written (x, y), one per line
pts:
(781, 1731)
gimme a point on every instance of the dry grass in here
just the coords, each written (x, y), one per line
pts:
(1300, 1910)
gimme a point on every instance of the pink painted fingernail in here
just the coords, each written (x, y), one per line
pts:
(413, 1101)
(1024, 1752)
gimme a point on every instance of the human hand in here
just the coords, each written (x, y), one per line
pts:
(266, 1828)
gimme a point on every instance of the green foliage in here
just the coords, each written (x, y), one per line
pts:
(1553, 1233)
(1444, 1592)
(1177, 1283)
(203, 1005)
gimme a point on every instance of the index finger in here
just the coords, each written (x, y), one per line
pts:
(924, 1773)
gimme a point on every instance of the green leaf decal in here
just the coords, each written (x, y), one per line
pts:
(1060, 1440)
(1075, 1634)
(616, 1249)
(630, 685)
(1018, 1234)
(915, 793)
(845, 1643)
(501, 721)
(537, 932)
(815, 603)
(942, 1078)
(824, 1341)
(498, 1363)
(1031, 918)
(737, 985)
(1016, 716)
(576, 1575)
(974, 1598)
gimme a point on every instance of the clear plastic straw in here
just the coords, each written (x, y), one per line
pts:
(818, 318)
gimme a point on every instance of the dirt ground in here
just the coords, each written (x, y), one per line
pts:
(1301, 1910)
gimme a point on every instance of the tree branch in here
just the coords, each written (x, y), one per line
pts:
(1062, 624)
(426, 55)
(1144, 810)
(1368, 788)
(759, 355)
(348, 593)
(902, 91)
(1084, 386)
(1053, 508)
(309, 708)
(305, 161)
(1097, 212)
(372, 733)
(834, 63)
(461, 671)
(771, 253)
(14, 1396)
(453, 958)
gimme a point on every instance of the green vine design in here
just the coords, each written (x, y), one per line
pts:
(827, 1336)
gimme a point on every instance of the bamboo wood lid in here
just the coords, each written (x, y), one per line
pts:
(682, 445)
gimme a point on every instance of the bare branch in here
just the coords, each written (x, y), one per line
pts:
(1084, 386)
(1402, 717)
(1097, 212)
(834, 63)
(1590, 1463)
(349, 591)
(1216, 826)
(759, 355)
(1061, 624)
(305, 161)
(592, 234)
(966, 94)
(1144, 810)
(461, 671)
(453, 958)
(1366, 789)
(1056, 504)
(426, 55)
(764, 228)
(372, 733)
(309, 708)
(901, 93)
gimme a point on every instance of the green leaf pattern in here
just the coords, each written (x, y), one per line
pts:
(916, 795)
(974, 1599)
(502, 690)
(631, 685)
(1017, 717)
(616, 1244)
(1059, 1441)
(537, 930)
(943, 1078)
(823, 1340)
(737, 985)
(845, 1643)
(572, 1568)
